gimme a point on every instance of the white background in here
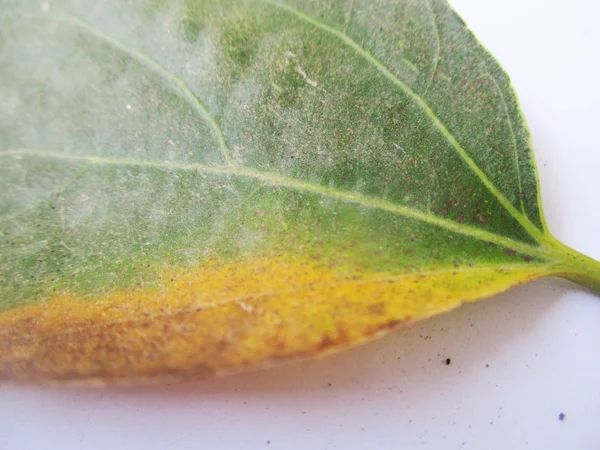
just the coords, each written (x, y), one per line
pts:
(540, 341)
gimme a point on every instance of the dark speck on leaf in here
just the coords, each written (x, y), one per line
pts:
(448, 361)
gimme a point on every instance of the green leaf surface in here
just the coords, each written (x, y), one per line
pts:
(205, 186)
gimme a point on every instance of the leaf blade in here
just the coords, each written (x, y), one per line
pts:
(246, 145)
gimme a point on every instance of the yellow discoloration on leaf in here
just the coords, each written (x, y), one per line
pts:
(220, 318)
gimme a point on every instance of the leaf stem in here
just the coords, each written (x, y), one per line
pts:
(575, 267)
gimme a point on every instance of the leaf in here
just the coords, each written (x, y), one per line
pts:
(200, 187)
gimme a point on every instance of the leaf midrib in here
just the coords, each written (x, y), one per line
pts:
(273, 179)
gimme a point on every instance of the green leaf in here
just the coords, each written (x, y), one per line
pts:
(194, 187)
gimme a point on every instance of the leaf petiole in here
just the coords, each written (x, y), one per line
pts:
(575, 266)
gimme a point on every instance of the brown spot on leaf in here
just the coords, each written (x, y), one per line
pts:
(377, 309)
